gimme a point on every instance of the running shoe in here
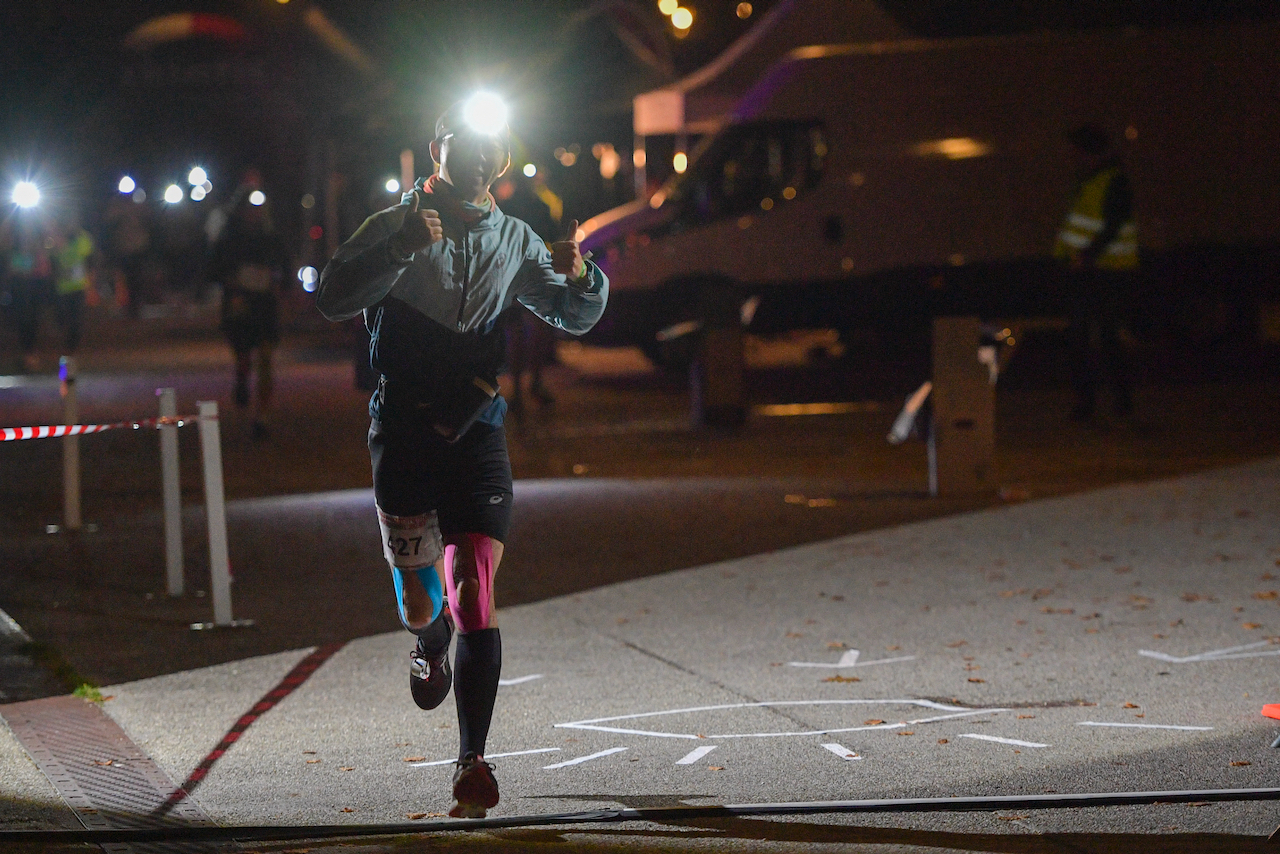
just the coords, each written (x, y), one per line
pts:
(430, 676)
(475, 792)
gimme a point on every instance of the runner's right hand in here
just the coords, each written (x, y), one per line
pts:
(421, 228)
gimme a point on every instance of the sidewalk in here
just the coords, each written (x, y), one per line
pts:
(1119, 640)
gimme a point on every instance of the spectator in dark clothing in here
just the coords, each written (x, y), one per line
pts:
(530, 342)
(251, 263)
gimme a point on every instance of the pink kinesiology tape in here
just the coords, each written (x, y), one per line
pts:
(476, 617)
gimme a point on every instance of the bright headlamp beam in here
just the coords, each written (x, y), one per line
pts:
(26, 194)
(485, 113)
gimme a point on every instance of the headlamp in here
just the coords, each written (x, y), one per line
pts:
(483, 115)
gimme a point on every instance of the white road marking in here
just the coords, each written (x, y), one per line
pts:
(490, 756)
(850, 659)
(1000, 740)
(581, 759)
(597, 723)
(694, 755)
(520, 679)
(1142, 726)
(1215, 654)
(842, 751)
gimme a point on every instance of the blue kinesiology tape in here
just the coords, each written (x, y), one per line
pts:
(430, 581)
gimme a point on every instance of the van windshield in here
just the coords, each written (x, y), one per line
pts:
(750, 166)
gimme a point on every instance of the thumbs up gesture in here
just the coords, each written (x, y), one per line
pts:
(565, 257)
(421, 228)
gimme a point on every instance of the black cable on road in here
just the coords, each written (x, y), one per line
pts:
(984, 803)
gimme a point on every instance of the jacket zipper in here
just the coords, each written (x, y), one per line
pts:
(466, 271)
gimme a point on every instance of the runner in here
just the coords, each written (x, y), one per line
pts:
(431, 276)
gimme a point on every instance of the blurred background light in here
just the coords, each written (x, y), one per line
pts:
(197, 176)
(680, 162)
(139, 196)
(26, 194)
(393, 186)
(485, 113)
(198, 193)
(744, 10)
(126, 185)
(529, 170)
(666, 7)
(682, 18)
(257, 198)
(308, 276)
(308, 201)
(173, 194)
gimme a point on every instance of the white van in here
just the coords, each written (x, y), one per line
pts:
(871, 186)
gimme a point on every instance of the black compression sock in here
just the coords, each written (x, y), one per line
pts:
(435, 635)
(476, 667)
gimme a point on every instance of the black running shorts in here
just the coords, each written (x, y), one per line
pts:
(467, 483)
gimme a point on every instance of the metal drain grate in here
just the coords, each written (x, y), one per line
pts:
(101, 774)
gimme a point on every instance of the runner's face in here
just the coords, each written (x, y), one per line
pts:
(471, 163)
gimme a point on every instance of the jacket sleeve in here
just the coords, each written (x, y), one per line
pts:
(361, 272)
(564, 305)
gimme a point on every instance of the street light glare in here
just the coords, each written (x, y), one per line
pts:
(393, 186)
(126, 185)
(682, 18)
(485, 113)
(666, 7)
(529, 170)
(26, 194)
(198, 193)
(197, 176)
(257, 198)
(173, 194)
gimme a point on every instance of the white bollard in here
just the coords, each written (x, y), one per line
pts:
(216, 511)
(171, 491)
(70, 447)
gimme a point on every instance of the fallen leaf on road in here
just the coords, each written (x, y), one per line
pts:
(415, 759)
(836, 645)
(715, 767)
(1131, 706)
(942, 741)
(414, 816)
(1240, 762)
(893, 648)
(309, 752)
(104, 762)
(975, 679)
(347, 809)
(1253, 625)
(347, 768)
(906, 732)
(794, 635)
(1024, 717)
(1267, 594)
(839, 678)
(956, 645)
(872, 722)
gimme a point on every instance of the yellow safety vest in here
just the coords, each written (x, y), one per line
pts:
(1084, 223)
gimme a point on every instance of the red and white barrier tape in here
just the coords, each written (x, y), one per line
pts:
(53, 431)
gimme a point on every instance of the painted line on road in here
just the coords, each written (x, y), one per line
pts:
(490, 756)
(581, 759)
(1143, 726)
(694, 755)
(1000, 740)
(1215, 654)
(597, 724)
(842, 751)
(519, 679)
(850, 659)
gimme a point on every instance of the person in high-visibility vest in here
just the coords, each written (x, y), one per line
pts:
(73, 254)
(1098, 248)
